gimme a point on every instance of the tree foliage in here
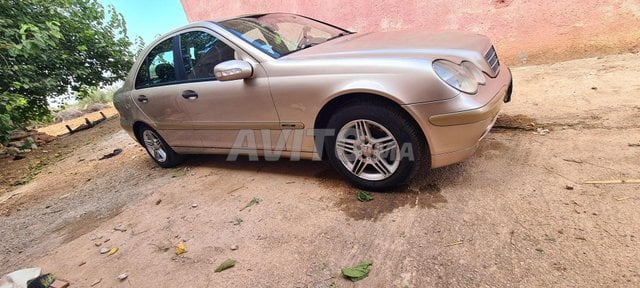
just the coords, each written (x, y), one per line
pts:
(138, 46)
(54, 47)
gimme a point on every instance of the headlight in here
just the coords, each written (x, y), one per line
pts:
(457, 76)
(473, 70)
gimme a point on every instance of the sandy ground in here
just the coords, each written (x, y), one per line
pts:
(502, 218)
(61, 129)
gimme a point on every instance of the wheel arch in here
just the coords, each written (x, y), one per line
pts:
(334, 104)
(136, 129)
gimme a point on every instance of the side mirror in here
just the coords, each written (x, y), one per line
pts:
(233, 70)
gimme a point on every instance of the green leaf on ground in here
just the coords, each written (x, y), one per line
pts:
(226, 265)
(179, 172)
(363, 196)
(237, 221)
(357, 272)
(253, 201)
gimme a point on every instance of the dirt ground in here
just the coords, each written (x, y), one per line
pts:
(505, 217)
(16, 173)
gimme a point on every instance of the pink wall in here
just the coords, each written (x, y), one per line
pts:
(524, 31)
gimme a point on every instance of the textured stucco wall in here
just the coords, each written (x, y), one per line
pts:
(522, 30)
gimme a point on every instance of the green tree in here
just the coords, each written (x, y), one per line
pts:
(54, 47)
(139, 46)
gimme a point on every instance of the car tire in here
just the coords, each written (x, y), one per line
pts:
(157, 148)
(375, 146)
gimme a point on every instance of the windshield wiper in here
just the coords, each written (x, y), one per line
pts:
(339, 35)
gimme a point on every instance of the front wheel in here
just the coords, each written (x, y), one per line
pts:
(376, 147)
(158, 149)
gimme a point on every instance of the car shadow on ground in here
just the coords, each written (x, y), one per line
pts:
(426, 191)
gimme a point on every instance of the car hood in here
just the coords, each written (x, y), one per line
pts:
(399, 44)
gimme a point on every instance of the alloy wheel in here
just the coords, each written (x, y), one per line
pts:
(368, 150)
(154, 145)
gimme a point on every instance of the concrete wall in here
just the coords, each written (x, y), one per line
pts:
(524, 31)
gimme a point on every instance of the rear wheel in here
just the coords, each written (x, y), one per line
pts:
(376, 147)
(157, 148)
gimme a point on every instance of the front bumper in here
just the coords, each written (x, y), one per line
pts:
(488, 111)
(454, 127)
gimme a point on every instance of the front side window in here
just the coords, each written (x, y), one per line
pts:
(201, 52)
(279, 34)
(158, 67)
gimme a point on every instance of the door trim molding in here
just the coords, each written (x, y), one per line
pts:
(231, 125)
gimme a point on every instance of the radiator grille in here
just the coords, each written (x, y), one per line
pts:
(492, 59)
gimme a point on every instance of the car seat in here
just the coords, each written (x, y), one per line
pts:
(165, 72)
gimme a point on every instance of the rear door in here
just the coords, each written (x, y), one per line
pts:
(157, 96)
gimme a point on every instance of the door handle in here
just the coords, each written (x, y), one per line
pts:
(189, 94)
(143, 99)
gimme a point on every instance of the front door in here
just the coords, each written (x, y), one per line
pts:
(224, 113)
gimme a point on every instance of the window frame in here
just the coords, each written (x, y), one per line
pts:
(143, 64)
(181, 75)
(214, 35)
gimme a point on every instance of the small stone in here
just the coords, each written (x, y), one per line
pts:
(120, 228)
(541, 131)
(194, 205)
(17, 135)
(568, 187)
(123, 276)
(158, 201)
(104, 250)
(82, 263)
(234, 247)
(97, 244)
(12, 150)
(594, 88)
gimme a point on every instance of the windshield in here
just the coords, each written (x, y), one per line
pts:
(282, 34)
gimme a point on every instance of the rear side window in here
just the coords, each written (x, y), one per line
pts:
(158, 67)
(201, 52)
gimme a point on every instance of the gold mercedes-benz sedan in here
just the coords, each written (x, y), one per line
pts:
(378, 106)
